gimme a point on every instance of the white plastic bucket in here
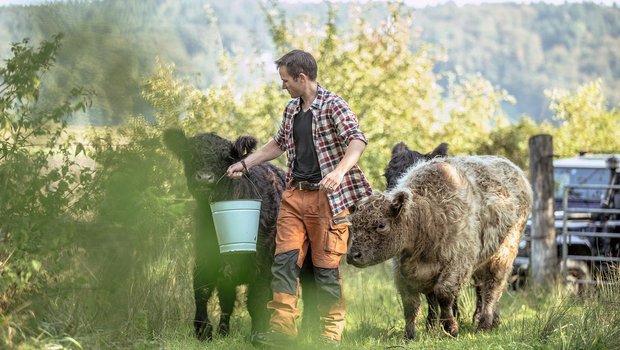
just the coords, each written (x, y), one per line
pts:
(236, 224)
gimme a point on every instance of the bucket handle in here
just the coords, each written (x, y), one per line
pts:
(250, 180)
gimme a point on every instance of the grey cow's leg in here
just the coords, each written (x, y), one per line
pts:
(448, 321)
(433, 310)
(478, 311)
(496, 273)
(411, 307)
(491, 291)
(446, 289)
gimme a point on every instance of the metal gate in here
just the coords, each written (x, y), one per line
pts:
(567, 233)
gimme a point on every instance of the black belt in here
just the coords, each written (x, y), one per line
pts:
(305, 185)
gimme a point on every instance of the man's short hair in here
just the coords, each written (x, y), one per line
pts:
(297, 62)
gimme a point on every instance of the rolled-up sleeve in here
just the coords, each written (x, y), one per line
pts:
(346, 122)
(279, 138)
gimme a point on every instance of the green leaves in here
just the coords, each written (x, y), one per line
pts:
(584, 121)
(37, 170)
(79, 148)
(21, 75)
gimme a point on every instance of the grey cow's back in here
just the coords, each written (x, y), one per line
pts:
(505, 191)
(487, 193)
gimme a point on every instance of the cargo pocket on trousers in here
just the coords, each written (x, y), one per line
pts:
(336, 237)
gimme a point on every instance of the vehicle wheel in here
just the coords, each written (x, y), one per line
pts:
(577, 270)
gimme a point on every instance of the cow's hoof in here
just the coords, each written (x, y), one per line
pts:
(451, 328)
(485, 324)
(410, 331)
(409, 334)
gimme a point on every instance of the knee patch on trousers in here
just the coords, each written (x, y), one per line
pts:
(285, 272)
(328, 282)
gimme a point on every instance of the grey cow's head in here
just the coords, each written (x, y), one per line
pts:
(206, 157)
(377, 231)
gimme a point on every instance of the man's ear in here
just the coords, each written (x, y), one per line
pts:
(243, 146)
(399, 202)
(176, 141)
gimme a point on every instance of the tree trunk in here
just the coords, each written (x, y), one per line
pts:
(544, 257)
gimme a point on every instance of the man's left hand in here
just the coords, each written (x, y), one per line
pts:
(331, 181)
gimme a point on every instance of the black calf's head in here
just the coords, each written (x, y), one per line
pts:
(402, 159)
(206, 157)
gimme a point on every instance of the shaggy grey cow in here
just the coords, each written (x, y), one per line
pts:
(402, 159)
(447, 220)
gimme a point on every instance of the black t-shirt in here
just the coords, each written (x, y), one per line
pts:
(306, 163)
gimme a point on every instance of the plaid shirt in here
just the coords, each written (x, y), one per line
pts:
(334, 125)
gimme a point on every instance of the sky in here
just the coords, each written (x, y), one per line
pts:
(423, 3)
(415, 3)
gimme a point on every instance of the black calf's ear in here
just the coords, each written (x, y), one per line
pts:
(440, 151)
(176, 141)
(399, 147)
(243, 146)
(398, 203)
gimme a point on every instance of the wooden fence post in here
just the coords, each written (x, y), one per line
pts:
(543, 257)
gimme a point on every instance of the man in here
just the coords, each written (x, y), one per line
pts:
(321, 137)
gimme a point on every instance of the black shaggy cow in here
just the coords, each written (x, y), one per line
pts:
(206, 157)
(402, 159)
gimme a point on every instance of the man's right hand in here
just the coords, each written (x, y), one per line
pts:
(235, 171)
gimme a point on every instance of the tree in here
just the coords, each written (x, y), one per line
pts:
(394, 90)
(39, 178)
(584, 121)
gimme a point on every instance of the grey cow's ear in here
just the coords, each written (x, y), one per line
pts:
(440, 151)
(398, 203)
(243, 146)
(176, 141)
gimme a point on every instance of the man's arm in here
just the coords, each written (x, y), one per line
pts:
(270, 151)
(353, 153)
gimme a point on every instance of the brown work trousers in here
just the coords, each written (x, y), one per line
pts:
(304, 220)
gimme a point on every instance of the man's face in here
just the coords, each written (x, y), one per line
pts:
(293, 87)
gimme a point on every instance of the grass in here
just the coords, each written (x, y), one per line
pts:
(115, 296)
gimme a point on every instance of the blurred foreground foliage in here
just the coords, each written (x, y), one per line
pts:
(42, 184)
(95, 228)
(84, 224)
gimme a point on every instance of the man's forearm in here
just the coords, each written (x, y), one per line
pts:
(351, 156)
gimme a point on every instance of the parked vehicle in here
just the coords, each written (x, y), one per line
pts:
(591, 220)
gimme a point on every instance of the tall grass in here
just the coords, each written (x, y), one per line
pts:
(153, 307)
